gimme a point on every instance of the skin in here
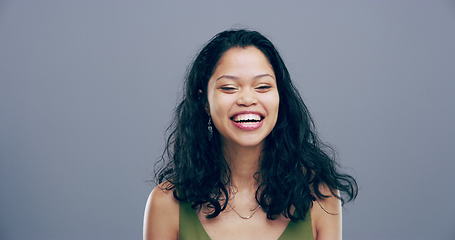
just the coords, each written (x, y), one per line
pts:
(243, 80)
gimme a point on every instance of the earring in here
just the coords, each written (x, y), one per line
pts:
(209, 128)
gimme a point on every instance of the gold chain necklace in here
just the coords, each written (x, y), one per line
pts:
(254, 210)
(247, 217)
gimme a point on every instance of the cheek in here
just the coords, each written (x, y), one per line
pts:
(272, 103)
(219, 106)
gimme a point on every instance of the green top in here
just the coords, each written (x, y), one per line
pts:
(191, 228)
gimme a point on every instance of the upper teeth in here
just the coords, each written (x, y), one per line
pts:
(248, 116)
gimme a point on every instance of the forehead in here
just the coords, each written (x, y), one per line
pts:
(243, 62)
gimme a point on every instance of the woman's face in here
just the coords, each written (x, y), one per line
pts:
(243, 97)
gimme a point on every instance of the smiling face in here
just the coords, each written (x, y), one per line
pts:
(243, 97)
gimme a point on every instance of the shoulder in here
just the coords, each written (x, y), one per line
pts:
(161, 215)
(326, 215)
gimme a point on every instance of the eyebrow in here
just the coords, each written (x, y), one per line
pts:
(236, 78)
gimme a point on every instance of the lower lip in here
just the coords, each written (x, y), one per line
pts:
(248, 126)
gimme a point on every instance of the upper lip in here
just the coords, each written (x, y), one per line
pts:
(247, 112)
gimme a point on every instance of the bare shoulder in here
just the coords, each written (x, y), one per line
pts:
(161, 215)
(330, 205)
(326, 215)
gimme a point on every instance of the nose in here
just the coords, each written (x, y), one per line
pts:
(246, 98)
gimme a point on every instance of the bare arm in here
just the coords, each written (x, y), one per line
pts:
(161, 216)
(328, 216)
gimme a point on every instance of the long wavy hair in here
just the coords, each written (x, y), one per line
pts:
(293, 162)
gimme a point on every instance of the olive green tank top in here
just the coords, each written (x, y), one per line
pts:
(190, 228)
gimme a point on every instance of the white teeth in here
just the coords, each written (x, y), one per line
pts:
(246, 117)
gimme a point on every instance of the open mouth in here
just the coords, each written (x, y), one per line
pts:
(247, 118)
(247, 121)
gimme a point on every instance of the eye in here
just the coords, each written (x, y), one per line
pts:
(264, 87)
(227, 88)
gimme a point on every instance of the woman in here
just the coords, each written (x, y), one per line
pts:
(244, 161)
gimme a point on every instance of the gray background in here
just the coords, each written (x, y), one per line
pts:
(88, 87)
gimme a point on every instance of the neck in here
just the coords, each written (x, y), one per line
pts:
(244, 163)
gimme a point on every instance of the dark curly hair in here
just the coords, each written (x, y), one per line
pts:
(294, 163)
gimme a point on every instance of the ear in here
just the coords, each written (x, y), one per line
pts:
(206, 107)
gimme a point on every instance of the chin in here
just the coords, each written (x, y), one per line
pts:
(247, 142)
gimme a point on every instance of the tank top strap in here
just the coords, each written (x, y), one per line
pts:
(190, 228)
(301, 229)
